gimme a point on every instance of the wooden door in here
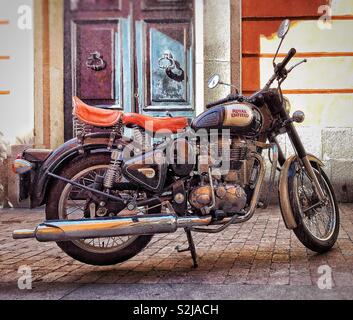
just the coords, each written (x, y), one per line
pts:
(98, 56)
(165, 56)
(132, 55)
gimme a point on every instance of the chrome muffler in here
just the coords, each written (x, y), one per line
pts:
(68, 230)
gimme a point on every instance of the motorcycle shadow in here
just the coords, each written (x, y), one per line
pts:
(228, 267)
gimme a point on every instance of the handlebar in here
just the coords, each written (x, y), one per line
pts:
(281, 66)
(230, 97)
(280, 69)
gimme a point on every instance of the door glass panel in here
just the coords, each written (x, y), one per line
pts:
(165, 66)
(168, 51)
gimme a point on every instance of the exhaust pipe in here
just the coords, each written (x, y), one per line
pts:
(100, 228)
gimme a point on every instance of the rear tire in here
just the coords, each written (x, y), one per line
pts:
(71, 248)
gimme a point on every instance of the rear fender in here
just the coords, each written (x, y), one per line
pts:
(94, 143)
(285, 206)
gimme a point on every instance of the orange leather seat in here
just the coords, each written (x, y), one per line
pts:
(160, 125)
(95, 116)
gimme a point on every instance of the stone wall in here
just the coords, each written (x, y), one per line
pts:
(337, 152)
(222, 45)
(333, 146)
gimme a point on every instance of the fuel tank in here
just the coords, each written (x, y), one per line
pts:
(240, 118)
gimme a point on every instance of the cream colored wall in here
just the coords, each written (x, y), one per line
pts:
(16, 70)
(322, 72)
(342, 7)
(328, 129)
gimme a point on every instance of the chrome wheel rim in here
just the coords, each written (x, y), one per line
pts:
(73, 209)
(320, 222)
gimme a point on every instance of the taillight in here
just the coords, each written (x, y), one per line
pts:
(21, 166)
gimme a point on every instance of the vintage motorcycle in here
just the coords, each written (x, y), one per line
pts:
(107, 195)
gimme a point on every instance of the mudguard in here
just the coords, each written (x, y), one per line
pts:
(285, 206)
(94, 143)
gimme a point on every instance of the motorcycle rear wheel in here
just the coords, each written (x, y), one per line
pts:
(318, 228)
(119, 251)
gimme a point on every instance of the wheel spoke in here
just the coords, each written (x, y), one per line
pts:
(72, 212)
(318, 219)
(75, 200)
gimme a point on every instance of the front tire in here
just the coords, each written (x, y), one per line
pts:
(317, 229)
(78, 250)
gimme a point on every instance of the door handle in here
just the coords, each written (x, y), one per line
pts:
(95, 62)
(171, 67)
(167, 62)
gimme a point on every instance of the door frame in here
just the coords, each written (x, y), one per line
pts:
(48, 35)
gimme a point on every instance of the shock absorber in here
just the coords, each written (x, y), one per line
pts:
(142, 140)
(139, 136)
(113, 172)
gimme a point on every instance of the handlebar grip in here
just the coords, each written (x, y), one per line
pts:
(292, 52)
(216, 103)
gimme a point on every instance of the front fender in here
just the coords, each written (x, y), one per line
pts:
(285, 206)
(97, 143)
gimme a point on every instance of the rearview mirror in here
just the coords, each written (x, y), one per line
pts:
(214, 81)
(283, 29)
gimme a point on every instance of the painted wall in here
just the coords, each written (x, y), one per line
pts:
(16, 69)
(323, 88)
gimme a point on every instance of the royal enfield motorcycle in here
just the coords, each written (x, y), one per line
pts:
(106, 195)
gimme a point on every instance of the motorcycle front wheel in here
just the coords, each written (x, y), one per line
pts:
(67, 202)
(318, 226)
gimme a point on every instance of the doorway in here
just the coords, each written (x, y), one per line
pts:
(137, 56)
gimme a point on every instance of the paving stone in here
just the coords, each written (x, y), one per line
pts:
(261, 252)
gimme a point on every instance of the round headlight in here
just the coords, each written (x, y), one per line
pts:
(286, 104)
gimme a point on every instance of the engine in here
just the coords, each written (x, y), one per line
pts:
(228, 198)
(231, 168)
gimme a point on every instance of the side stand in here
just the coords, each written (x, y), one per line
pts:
(191, 247)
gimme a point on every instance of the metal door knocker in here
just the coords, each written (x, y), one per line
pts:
(95, 62)
(172, 67)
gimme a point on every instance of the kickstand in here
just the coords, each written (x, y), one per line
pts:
(191, 247)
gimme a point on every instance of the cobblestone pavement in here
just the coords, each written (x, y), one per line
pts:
(259, 252)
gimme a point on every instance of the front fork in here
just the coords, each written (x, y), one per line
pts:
(303, 159)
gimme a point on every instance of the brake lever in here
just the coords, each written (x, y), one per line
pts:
(297, 65)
